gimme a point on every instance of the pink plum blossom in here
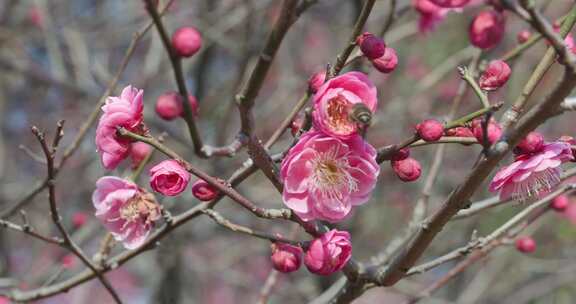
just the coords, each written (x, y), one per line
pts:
(329, 253)
(325, 176)
(334, 100)
(532, 175)
(127, 211)
(123, 111)
(285, 257)
(169, 178)
(430, 14)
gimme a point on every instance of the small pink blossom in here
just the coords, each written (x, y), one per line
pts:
(532, 143)
(124, 111)
(138, 152)
(285, 257)
(324, 177)
(430, 14)
(169, 105)
(523, 36)
(329, 253)
(495, 75)
(494, 131)
(334, 100)
(487, 29)
(560, 203)
(127, 211)
(532, 175)
(169, 178)
(79, 219)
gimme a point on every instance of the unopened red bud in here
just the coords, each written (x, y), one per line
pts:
(169, 105)
(285, 257)
(186, 41)
(430, 130)
(79, 219)
(401, 154)
(523, 36)
(560, 203)
(204, 191)
(532, 143)
(371, 46)
(316, 81)
(388, 62)
(450, 3)
(495, 75)
(407, 170)
(487, 29)
(494, 131)
(138, 152)
(525, 244)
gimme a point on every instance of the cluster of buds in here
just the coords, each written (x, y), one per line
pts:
(383, 58)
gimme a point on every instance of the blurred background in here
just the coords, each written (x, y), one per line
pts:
(57, 57)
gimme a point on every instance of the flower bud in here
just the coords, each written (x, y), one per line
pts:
(525, 244)
(570, 140)
(450, 3)
(459, 132)
(169, 178)
(495, 75)
(316, 80)
(204, 191)
(430, 130)
(285, 257)
(494, 131)
(186, 41)
(560, 203)
(169, 105)
(329, 253)
(79, 219)
(371, 46)
(570, 213)
(523, 36)
(407, 170)
(401, 154)
(532, 143)
(138, 152)
(487, 29)
(36, 17)
(388, 62)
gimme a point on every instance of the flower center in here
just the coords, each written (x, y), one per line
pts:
(337, 111)
(332, 177)
(141, 206)
(537, 184)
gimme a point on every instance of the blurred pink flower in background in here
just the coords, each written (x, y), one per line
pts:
(334, 100)
(329, 253)
(532, 175)
(169, 178)
(450, 3)
(325, 176)
(123, 111)
(127, 211)
(430, 14)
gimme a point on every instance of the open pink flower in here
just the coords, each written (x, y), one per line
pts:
(532, 175)
(329, 253)
(325, 176)
(127, 211)
(169, 178)
(334, 100)
(123, 111)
